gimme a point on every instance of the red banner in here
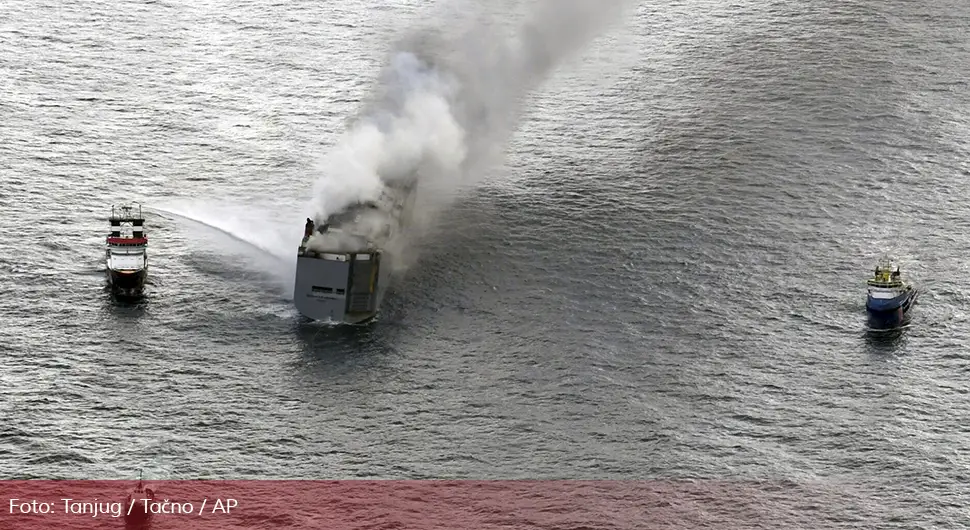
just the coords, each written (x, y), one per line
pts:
(404, 505)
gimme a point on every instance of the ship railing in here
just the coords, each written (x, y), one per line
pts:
(126, 212)
(886, 285)
(125, 250)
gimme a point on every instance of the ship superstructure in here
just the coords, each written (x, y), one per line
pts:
(126, 252)
(343, 266)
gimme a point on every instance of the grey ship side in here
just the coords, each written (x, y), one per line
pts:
(343, 267)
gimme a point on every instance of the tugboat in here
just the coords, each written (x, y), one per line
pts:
(890, 298)
(126, 254)
(138, 513)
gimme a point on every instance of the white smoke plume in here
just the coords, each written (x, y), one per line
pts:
(450, 97)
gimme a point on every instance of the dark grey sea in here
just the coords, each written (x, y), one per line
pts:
(665, 279)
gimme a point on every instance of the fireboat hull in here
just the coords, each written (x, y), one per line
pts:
(127, 283)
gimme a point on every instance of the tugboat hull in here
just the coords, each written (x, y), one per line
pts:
(889, 314)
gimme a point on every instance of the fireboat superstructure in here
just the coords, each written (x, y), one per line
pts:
(126, 255)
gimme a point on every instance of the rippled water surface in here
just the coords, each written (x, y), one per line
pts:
(665, 280)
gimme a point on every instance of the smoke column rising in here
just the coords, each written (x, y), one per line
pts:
(449, 99)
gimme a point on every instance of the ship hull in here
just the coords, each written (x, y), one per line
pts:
(138, 509)
(127, 283)
(341, 288)
(139, 517)
(889, 314)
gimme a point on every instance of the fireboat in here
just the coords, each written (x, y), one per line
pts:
(126, 255)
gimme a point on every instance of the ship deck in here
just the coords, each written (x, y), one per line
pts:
(126, 262)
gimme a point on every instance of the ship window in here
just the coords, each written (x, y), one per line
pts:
(327, 290)
(340, 291)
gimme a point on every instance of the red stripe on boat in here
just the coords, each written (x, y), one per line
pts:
(127, 240)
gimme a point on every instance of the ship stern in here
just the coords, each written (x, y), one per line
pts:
(340, 288)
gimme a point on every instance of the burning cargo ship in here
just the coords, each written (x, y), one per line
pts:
(343, 267)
